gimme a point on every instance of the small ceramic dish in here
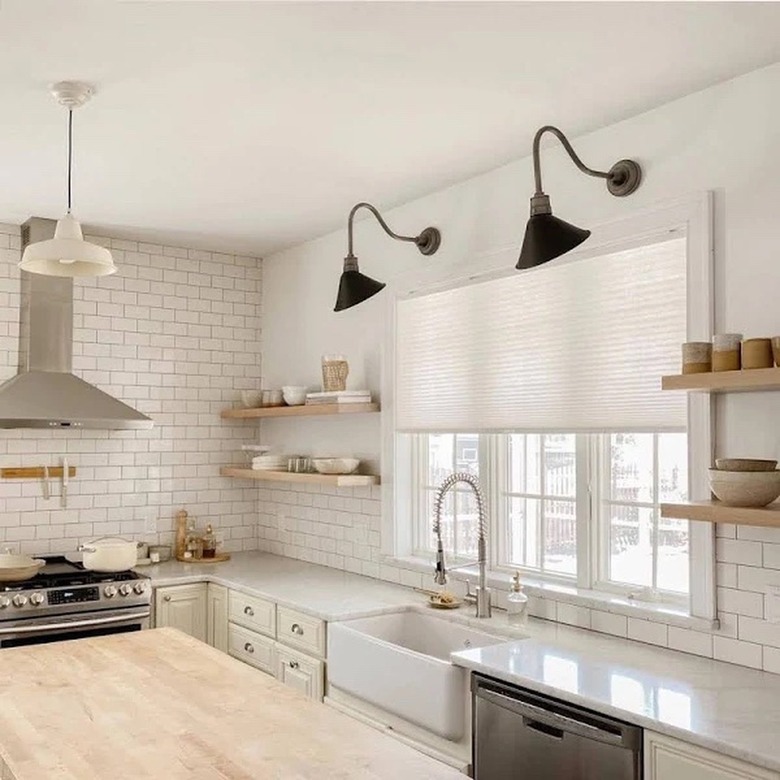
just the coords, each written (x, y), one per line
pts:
(435, 601)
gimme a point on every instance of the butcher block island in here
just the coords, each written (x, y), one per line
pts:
(159, 704)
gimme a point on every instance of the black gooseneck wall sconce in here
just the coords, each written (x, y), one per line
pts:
(546, 236)
(355, 287)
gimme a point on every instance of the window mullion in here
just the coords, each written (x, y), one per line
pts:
(542, 534)
(656, 512)
(584, 509)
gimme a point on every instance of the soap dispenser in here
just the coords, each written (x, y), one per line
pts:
(517, 603)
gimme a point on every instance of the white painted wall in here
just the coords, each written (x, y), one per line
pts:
(725, 139)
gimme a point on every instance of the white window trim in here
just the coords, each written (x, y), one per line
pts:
(691, 213)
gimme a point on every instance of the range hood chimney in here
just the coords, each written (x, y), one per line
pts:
(44, 393)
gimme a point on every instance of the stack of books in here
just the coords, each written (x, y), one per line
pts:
(339, 397)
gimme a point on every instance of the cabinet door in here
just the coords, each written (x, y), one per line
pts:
(182, 607)
(670, 759)
(300, 671)
(217, 617)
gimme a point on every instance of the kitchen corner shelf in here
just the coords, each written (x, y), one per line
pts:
(334, 480)
(313, 410)
(715, 512)
(725, 381)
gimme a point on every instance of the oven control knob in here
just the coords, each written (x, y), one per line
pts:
(139, 588)
(36, 599)
(20, 600)
(125, 589)
(109, 591)
(4, 602)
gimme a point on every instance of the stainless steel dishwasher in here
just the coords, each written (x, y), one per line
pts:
(521, 735)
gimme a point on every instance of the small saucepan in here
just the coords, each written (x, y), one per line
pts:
(109, 554)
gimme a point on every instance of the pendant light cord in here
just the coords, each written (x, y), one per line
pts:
(70, 155)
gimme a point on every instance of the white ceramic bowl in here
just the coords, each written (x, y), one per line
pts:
(745, 488)
(335, 465)
(294, 395)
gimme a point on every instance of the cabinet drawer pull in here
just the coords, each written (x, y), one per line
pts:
(249, 611)
(166, 598)
(249, 648)
(296, 629)
(293, 664)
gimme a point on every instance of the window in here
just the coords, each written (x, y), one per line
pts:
(543, 506)
(547, 385)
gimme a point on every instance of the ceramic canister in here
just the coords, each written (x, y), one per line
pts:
(696, 357)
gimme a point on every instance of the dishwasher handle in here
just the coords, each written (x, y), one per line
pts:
(611, 732)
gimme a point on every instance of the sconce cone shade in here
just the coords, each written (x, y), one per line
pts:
(67, 254)
(547, 237)
(355, 288)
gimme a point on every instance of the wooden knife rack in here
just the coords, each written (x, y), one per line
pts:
(35, 472)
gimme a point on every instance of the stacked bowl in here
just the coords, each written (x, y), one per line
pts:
(745, 482)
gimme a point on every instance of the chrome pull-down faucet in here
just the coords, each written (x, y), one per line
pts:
(440, 575)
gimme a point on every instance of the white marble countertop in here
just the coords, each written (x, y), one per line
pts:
(729, 709)
(320, 591)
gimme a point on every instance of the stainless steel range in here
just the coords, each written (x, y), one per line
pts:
(66, 601)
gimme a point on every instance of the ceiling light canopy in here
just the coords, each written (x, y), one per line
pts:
(355, 287)
(68, 254)
(548, 237)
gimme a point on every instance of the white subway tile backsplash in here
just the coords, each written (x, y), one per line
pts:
(696, 642)
(645, 631)
(735, 551)
(126, 340)
(735, 651)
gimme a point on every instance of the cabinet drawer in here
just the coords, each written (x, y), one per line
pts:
(252, 612)
(301, 631)
(300, 672)
(252, 648)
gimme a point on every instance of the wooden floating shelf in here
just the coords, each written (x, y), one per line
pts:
(716, 512)
(35, 472)
(314, 410)
(725, 381)
(334, 480)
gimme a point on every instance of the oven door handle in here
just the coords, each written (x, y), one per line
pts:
(102, 621)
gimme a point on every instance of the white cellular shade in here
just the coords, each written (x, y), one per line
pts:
(578, 346)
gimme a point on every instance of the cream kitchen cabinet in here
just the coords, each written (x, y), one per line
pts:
(217, 616)
(183, 607)
(670, 759)
(300, 671)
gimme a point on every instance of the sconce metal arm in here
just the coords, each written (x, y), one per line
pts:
(381, 221)
(568, 147)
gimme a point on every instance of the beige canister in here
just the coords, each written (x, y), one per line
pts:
(757, 353)
(726, 352)
(696, 357)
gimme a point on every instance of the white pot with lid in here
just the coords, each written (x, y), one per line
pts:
(109, 554)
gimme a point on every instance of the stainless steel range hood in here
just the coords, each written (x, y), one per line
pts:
(45, 394)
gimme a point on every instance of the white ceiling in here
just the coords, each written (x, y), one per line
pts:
(257, 125)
